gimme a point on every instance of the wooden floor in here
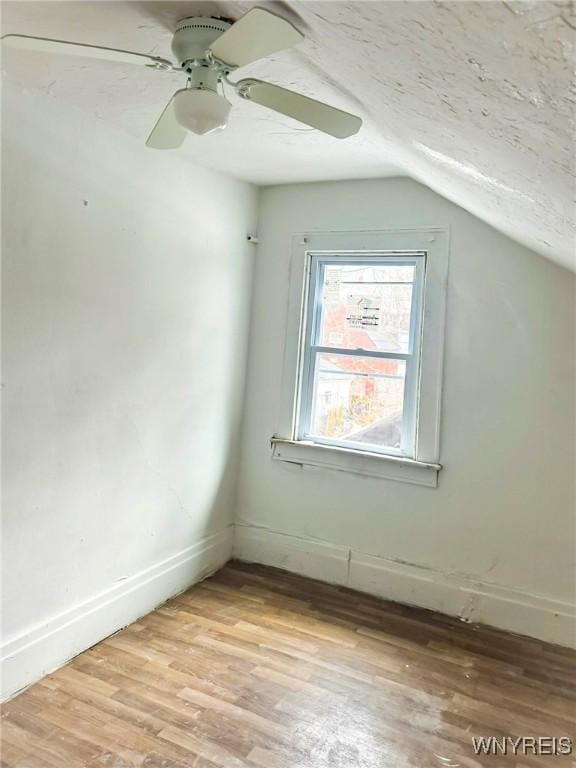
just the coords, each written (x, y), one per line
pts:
(259, 668)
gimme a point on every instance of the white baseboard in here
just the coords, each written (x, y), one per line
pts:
(471, 600)
(42, 649)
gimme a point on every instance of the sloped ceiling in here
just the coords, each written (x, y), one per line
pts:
(475, 100)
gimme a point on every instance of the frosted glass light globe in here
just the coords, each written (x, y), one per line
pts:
(201, 111)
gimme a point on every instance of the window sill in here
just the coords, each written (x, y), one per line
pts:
(360, 463)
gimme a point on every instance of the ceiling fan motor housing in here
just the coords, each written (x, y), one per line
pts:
(194, 36)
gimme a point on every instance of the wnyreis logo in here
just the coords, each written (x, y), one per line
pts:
(524, 745)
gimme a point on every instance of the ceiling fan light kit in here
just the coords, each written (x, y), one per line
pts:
(201, 111)
(208, 49)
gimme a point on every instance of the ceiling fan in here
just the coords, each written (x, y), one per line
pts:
(208, 49)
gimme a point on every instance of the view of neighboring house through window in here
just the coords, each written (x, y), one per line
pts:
(360, 352)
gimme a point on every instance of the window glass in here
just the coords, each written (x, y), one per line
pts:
(366, 307)
(358, 399)
(359, 378)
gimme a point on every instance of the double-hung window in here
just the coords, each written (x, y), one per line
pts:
(362, 375)
(360, 352)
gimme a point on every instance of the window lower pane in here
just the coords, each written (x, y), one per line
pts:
(358, 400)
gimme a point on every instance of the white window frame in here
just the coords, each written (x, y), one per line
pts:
(423, 466)
(314, 272)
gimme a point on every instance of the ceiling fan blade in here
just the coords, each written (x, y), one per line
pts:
(256, 35)
(46, 45)
(308, 111)
(167, 133)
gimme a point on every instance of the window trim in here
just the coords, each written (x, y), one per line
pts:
(332, 457)
(424, 468)
(311, 317)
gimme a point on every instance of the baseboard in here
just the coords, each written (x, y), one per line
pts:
(31, 655)
(36, 652)
(455, 595)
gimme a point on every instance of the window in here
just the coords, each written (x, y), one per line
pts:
(360, 352)
(363, 353)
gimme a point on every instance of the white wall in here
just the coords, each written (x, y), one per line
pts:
(496, 541)
(127, 282)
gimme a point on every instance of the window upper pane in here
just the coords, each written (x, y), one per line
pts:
(358, 400)
(366, 306)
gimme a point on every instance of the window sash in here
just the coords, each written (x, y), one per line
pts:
(310, 349)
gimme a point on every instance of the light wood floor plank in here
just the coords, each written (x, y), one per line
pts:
(259, 668)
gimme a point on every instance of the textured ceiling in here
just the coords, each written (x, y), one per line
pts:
(473, 99)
